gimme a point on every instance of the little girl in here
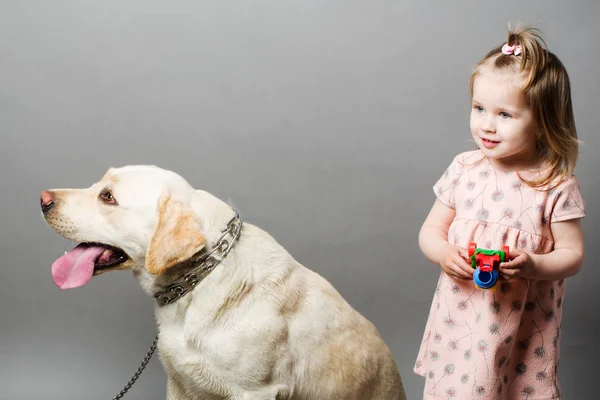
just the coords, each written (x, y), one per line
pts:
(517, 189)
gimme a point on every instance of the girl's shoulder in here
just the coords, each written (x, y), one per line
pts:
(567, 200)
(467, 159)
(471, 156)
(566, 183)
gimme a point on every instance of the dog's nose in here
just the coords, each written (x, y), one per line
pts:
(46, 200)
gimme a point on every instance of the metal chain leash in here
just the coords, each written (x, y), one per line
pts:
(139, 370)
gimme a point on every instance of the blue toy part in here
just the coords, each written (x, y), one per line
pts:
(485, 279)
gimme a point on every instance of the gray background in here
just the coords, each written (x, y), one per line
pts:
(326, 122)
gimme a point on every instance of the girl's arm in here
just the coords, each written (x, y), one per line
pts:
(564, 261)
(433, 242)
(567, 257)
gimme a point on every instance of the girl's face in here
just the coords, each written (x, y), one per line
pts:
(501, 124)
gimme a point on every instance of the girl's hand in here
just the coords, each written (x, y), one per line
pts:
(519, 265)
(453, 260)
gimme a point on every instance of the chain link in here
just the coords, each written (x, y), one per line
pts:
(139, 370)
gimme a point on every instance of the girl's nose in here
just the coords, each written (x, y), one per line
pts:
(487, 125)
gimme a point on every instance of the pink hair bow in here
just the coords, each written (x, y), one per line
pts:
(514, 49)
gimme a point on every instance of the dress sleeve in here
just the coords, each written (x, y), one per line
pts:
(567, 201)
(445, 187)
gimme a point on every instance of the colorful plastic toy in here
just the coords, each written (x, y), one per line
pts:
(486, 262)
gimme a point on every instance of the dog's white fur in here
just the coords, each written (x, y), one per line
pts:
(260, 326)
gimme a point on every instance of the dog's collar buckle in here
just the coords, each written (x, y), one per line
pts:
(205, 265)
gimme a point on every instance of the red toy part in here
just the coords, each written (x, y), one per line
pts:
(472, 248)
(486, 260)
(505, 250)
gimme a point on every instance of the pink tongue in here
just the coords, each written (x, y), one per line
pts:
(76, 267)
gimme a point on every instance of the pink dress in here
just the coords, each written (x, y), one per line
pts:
(501, 343)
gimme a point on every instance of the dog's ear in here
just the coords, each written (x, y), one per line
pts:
(177, 236)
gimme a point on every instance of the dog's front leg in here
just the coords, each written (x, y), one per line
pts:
(279, 392)
(174, 390)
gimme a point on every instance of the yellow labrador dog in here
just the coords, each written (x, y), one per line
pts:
(238, 316)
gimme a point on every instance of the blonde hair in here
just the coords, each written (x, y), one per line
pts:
(547, 92)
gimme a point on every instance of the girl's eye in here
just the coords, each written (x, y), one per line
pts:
(108, 197)
(504, 115)
(478, 108)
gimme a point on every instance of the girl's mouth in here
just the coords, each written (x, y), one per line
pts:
(489, 143)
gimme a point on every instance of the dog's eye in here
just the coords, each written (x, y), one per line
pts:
(107, 197)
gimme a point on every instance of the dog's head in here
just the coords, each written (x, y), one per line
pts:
(134, 217)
